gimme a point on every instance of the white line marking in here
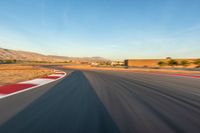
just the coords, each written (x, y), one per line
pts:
(1, 96)
(38, 81)
(56, 75)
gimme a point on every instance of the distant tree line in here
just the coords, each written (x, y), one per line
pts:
(8, 61)
(173, 62)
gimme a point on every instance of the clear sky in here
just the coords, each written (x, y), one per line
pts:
(114, 29)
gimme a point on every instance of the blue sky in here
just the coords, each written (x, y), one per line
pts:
(114, 29)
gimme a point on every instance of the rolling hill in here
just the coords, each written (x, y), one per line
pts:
(7, 54)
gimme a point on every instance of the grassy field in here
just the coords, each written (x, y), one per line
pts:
(13, 73)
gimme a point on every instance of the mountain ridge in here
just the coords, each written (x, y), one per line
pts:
(8, 54)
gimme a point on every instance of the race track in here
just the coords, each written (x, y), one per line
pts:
(106, 102)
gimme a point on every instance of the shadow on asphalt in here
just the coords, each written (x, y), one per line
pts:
(71, 106)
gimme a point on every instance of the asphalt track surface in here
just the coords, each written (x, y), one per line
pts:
(106, 102)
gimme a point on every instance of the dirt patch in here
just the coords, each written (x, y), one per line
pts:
(87, 67)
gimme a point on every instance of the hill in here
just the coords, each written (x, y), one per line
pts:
(7, 54)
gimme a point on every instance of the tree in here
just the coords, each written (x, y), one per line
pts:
(168, 58)
(161, 63)
(172, 63)
(184, 63)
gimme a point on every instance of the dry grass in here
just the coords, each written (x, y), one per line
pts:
(87, 67)
(14, 73)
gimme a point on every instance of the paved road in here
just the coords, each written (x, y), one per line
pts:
(106, 102)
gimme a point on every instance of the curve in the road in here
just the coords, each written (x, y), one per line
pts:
(106, 102)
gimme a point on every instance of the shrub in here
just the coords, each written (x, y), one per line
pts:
(172, 63)
(184, 63)
(197, 62)
(161, 63)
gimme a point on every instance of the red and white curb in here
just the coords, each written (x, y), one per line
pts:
(13, 89)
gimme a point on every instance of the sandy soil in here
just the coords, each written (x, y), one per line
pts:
(87, 67)
(14, 73)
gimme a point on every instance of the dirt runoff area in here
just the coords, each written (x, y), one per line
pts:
(88, 67)
(13, 73)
